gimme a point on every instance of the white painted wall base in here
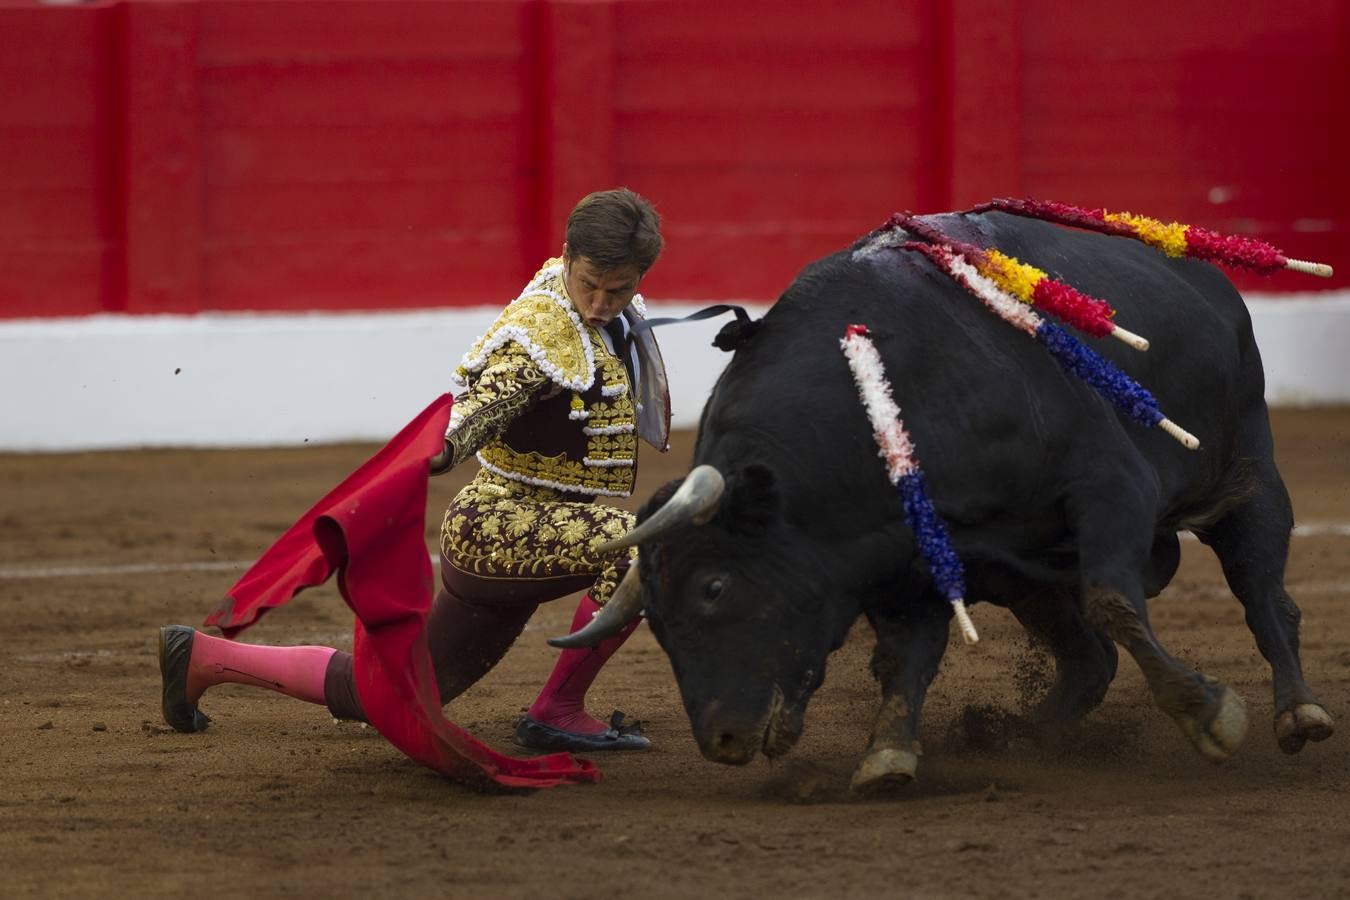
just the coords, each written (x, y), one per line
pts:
(247, 381)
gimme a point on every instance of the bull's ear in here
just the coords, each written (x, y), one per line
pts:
(752, 500)
(659, 499)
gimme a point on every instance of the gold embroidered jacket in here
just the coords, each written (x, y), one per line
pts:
(546, 403)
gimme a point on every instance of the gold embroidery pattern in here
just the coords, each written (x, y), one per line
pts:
(497, 528)
(618, 450)
(611, 412)
(542, 322)
(509, 384)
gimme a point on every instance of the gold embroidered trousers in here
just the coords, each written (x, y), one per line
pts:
(498, 530)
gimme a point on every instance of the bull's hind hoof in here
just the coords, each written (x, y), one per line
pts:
(1223, 734)
(883, 770)
(1305, 722)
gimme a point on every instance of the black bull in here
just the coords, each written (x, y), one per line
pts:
(1060, 508)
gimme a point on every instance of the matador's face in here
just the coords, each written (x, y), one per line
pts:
(598, 296)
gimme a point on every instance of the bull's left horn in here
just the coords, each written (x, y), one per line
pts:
(694, 503)
(624, 606)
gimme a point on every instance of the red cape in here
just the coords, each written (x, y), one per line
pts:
(369, 529)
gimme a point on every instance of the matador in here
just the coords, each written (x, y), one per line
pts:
(555, 396)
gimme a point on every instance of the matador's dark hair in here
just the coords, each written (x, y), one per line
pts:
(614, 229)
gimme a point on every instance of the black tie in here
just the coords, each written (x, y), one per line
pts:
(621, 348)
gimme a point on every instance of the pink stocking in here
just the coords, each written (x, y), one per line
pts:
(562, 702)
(295, 671)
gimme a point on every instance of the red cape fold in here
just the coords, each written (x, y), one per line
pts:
(369, 529)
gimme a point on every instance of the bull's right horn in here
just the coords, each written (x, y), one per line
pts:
(695, 503)
(624, 605)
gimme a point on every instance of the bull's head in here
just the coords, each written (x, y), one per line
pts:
(736, 598)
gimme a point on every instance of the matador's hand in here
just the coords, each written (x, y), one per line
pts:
(440, 463)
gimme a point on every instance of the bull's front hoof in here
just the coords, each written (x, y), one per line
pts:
(883, 770)
(1223, 734)
(1305, 722)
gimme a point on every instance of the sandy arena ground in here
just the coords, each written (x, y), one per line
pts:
(97, 797)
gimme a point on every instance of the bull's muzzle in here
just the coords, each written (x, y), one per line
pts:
(730, 739)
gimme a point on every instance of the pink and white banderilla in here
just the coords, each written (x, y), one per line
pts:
(902, 468)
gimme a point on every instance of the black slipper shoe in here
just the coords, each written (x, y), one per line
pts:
(175, 650)
(535, 735)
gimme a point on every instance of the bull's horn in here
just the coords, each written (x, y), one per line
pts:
(694, 503)
(624, 606)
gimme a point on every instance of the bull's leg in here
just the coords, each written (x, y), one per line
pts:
(910, 644)
(1085, 661)
(1252, 544)
(1207, 711)
(1114, 530)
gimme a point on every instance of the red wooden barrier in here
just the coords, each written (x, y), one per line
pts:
(176, 156)
(59, 238)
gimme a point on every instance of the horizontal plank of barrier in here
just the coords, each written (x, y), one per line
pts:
(189, 155)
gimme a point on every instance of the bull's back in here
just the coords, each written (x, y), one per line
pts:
(996, 422)
(1202, 366)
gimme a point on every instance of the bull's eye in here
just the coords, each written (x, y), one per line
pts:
(713, 589)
